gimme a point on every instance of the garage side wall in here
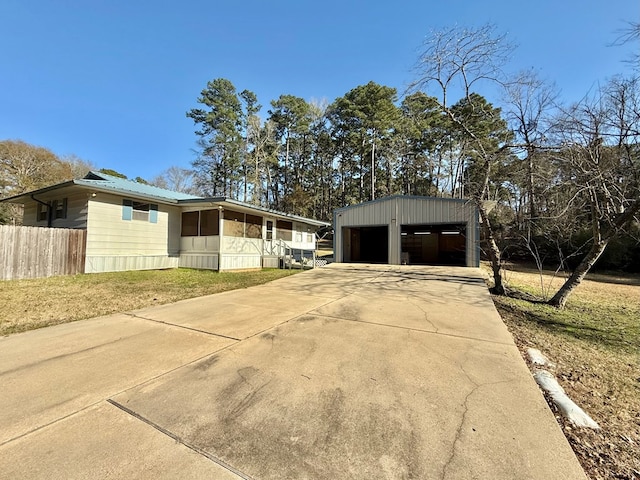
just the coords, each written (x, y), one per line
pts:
(398, 211)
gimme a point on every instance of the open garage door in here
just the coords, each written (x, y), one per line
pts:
(434, 244)
(365, 244)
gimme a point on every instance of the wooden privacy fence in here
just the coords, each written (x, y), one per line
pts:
(35, 252)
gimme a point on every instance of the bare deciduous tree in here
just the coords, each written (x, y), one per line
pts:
(460, 59)
(26, 167)
(601, 154)
(630, 34)
(177, 179)
(530, 103)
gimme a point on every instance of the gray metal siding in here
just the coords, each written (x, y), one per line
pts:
(396, 211)
(415, 211)
(379, 213)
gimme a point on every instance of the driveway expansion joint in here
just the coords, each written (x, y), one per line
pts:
(181, 441)
(133, 315)
(53, 422)
(411, 329)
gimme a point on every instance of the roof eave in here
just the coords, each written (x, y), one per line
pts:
(225, 201)
(27, 195)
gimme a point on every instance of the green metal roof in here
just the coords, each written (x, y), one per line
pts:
(128, 188)
(110, 184)
(123, 186)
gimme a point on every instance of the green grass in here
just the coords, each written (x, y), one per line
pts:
(36, 303)
(610, 326)
(595, 344)
(604, 310)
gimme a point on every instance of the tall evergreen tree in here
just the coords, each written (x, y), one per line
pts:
(420, 139)
(250, 122)
(218, 168)
(291, 116)
(370, 113)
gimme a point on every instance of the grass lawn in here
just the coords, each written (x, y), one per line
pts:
(36, 303)
(595, 344)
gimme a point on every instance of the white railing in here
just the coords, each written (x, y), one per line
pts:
(289, 256)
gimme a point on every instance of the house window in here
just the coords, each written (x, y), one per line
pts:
(140, 211)
(146, 212)
(42, 212)
(309, 237)
(269, 230)
(60, 208)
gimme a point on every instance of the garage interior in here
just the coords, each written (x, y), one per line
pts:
(433, 245)
(366, 244)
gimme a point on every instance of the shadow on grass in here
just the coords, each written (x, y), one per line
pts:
(616, 278)
(606, 333)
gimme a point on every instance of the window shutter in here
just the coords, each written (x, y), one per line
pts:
(153, 213)
(127, 209)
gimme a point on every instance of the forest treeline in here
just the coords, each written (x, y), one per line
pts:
(564, 177)
(561, 175)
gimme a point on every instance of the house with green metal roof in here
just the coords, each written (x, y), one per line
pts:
(133, 226)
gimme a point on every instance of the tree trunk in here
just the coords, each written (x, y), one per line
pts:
(494, 251)
(373, 170)
(286, 164)
(622, 221)
(560, 298)
(530, 182)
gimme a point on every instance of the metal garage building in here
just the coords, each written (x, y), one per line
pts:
(408, 230)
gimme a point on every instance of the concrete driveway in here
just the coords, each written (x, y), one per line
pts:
(349, 371)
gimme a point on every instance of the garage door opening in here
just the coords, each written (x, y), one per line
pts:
(434, 244)
(365, 244)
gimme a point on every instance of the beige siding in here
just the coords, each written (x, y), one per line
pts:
(303, 237)
(174, 219)
(76, 210)
(29, 217)
(108, 234)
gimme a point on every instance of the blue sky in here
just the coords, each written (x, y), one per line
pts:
(110, 80)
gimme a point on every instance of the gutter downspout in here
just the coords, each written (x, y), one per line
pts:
(49, 210)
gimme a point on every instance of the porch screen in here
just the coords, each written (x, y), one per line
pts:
(209, 223)
(284, 230)
(233, 224)
(254, 226)
(189, 224)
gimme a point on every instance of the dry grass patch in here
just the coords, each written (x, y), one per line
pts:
(595, 343)
(36, 303)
